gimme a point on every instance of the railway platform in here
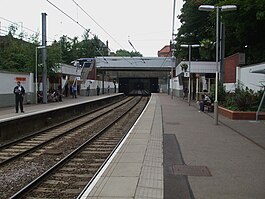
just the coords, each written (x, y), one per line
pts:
(9, 112)
(173, 151)
(176, 152)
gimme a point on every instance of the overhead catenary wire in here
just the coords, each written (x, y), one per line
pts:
(87, 30)
(81, 27)
(97, 23)
(135, 49)
(24, 27)
(68, 16)
(101, 28)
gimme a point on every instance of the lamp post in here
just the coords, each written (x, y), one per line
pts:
(189, 46)
(172, 47)
(36, 72)
(223, 8)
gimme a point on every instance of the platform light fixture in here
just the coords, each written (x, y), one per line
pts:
(211, 8)
(190, 46)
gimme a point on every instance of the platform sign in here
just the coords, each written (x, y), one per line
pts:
(186, 74)
(21, 79)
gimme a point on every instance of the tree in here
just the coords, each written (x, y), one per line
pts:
(125, 53)
(245, 29)
(19, 55)
(65, 46)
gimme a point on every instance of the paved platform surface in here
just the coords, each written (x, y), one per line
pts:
(9, 112)
(174, 151)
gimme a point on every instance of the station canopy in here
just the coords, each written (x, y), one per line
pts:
(135, 63)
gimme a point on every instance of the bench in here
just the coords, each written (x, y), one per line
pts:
(209, 107)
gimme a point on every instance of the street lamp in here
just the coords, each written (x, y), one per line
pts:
(172, 47)
(223, 8)
(36, 72)
(189, 46)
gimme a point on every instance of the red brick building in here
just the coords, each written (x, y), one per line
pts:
(230, 64)
(165, 52)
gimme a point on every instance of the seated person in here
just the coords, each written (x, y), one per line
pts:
(208, 102)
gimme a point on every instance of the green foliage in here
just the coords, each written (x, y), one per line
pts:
(221, 93)
(244, 27)
(125, 53)
(19, 55)
(184, 67)
(242, 99)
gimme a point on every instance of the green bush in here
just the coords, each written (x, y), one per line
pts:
(242, 99)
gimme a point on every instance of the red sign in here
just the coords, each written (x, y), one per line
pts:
(21, 79)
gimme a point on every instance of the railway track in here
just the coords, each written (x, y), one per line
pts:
(26, 145)
(79, 167)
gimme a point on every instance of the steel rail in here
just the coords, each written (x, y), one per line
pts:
(60, 135)
(63, 161)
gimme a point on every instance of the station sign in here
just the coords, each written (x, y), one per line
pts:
(186, 74)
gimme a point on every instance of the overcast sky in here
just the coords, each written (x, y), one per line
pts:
(146, 23)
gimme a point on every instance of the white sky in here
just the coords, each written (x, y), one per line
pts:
(146, 23)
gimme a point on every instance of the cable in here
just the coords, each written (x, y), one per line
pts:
(102, 29)
(96, 22)
(17, 23)
(12, 22)
(135, 50)
(77, 24)
(67, 15)
(81, 27)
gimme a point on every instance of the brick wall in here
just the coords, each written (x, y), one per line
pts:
(230, 64)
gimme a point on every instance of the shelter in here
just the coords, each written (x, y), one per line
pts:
(202, 76)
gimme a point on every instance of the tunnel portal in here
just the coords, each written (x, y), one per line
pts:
(138, 86)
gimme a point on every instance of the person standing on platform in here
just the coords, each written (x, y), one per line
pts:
(88, 90)
(74, 90)
(98, 90)
(19, 92)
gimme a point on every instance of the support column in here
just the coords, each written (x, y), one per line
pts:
(197, 88)
(44, 72)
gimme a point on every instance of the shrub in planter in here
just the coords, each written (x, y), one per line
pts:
(242, 100)
(184, 67)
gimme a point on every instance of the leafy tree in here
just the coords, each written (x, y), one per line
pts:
(18, 55)
(53, 57)
(125, 53)
(245, 29)
(65, 46)
(192, 30)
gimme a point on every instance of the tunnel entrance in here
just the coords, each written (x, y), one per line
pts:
(138, 86)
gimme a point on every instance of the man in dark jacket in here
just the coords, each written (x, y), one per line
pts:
(19, 92)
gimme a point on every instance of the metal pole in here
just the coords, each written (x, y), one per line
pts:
(172, 45)
(189, 93)
(216, 75)
(44, 72)
(222, 51)
(36, 75)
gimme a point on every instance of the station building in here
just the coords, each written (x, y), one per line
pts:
(131, 74)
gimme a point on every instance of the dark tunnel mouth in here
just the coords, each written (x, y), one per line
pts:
(138, 86)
